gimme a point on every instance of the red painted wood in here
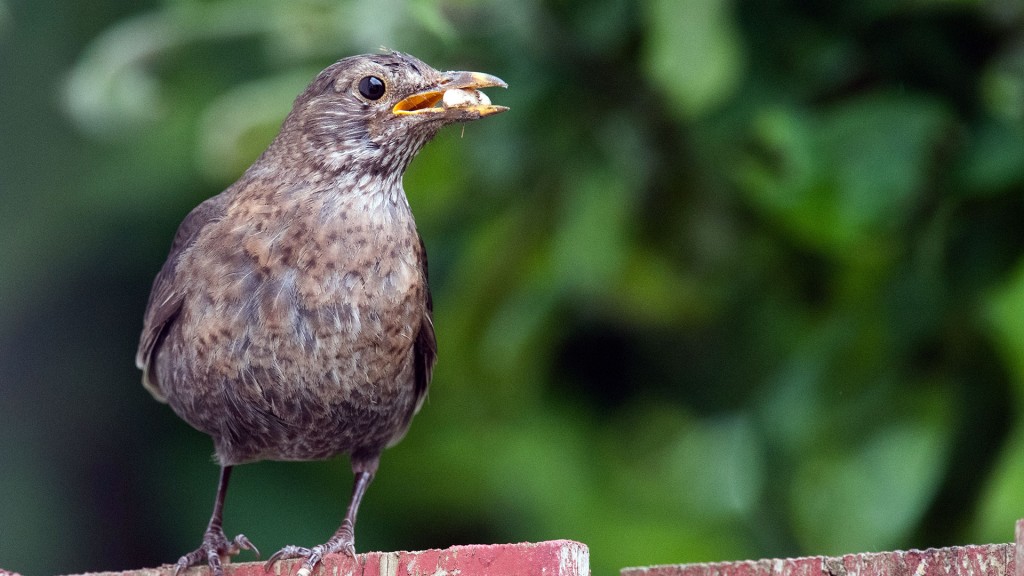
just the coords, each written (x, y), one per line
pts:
(987, 560)
(569, 558)
(553, 558)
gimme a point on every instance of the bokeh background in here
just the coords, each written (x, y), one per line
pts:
(730, 280)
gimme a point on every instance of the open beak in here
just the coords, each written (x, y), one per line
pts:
(456, 97)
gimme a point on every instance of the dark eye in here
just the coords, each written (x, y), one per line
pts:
(371, 87)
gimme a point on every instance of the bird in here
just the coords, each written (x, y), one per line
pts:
(292, 319)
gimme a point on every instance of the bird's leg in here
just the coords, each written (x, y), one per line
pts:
(344, 539)
(215, 543)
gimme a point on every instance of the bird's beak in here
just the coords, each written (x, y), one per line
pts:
(454, 97)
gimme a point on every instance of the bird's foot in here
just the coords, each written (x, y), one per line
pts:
(214, 547)
(343, 541)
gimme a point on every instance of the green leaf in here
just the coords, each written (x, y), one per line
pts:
(720, 463)
(693, 53)
(1003, 498)
(993, 160)
(839, 178)
(869, 498)
(239, 124)
(1005, 314)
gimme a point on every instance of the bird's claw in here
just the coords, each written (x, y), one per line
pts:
(313, 556)
(215, 546)
(286, 553)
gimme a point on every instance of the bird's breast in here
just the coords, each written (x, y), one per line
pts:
(334, 302)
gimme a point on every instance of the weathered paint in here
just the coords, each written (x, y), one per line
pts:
(553, 558)
(987, 560)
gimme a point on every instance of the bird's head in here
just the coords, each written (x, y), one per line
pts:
(373, 113)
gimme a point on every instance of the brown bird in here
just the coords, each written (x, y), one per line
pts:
(292, 319)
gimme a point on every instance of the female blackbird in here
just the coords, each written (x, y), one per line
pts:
(292, 318)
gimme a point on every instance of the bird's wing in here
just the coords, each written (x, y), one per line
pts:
(166, 296)
(425, 349)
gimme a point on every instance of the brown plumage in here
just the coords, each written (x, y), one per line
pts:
(292, 318)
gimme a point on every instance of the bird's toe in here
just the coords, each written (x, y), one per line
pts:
(215, 546)
(313, 555)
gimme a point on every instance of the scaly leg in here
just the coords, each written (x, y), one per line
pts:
(344, 539)
(215, 543)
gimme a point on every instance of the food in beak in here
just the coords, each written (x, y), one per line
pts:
(461, 97)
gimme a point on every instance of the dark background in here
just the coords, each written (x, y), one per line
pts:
(730, 280)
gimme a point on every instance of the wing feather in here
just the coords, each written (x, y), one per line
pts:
(425, 348)
(167, 294)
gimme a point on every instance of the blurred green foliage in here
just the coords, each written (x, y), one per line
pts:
(731, 279)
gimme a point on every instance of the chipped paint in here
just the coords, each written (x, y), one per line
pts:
(987, 560)
(389, 564)
(569, 558)
(573, 560)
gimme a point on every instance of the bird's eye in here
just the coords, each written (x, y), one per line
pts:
(371, 87)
